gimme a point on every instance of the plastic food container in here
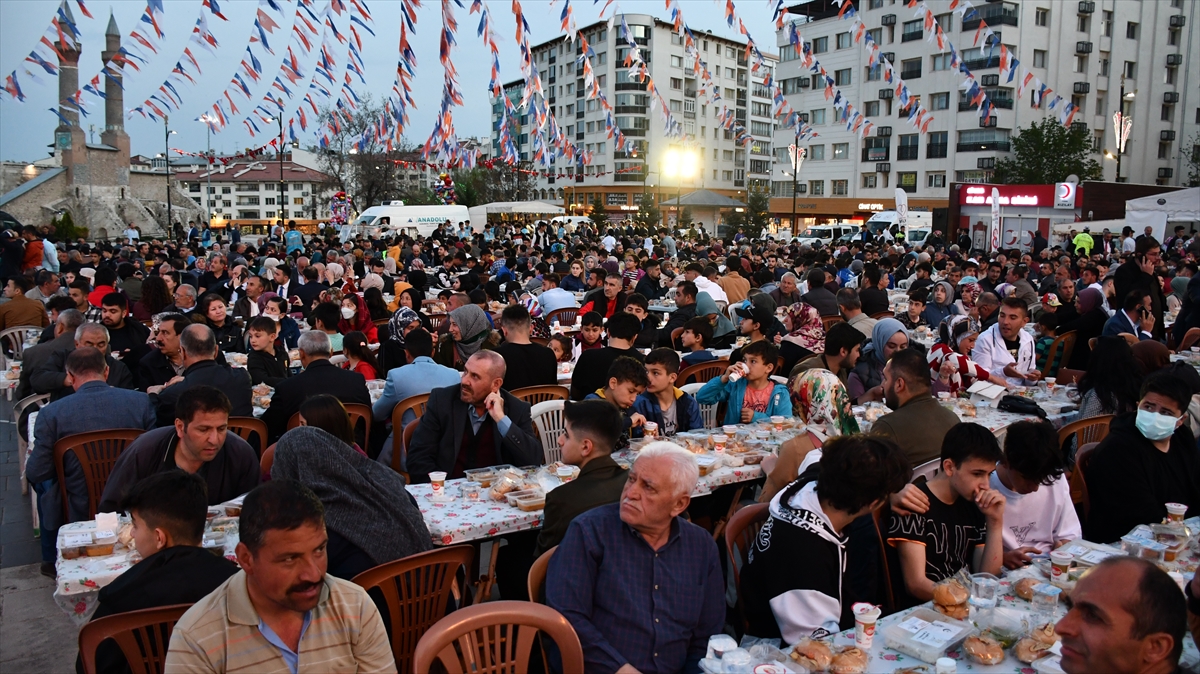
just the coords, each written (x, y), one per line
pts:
(706, 464)
(214, 543)
(514, 496)
(753, 458)
(484, 476)
(470, 491)
(926, 635)
(1049, 665)
(532, 503)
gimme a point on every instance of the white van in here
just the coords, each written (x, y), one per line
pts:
(394, 217)
(886, 219)
(824, 234)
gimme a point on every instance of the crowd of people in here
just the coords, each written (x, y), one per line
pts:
(171, 337)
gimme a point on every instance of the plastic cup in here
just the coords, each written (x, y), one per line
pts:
(1175, 512)
(865, 617)
(565, 474)
(719, 443)
(984, 588)
(1045, 602)
(650, 430)
(777, 422)
(437, 483)
(1060, 566)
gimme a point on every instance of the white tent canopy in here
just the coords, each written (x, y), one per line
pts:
(1157, 210)
(479, 213)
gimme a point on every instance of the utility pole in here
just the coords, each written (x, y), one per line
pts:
(208, 155)
(281, 213)
(797, 155)
(167, 165)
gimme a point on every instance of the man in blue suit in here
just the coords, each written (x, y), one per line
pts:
(94, 406)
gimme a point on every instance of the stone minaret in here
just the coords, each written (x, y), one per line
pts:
(114, 105)
(69, 139)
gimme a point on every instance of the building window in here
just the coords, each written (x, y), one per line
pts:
(1097, 140)
(1131, 30)
(816, 153)
(874, 4)
(1173, 37)
(1084, 23)
(1131, 70)
(840, 188)
(910, 69)
(935, 179)
(1100, 102)
(1168, 113)
(269, 201)
(876, 34)
(907, 181)
(869, 181)
(676, 83)
(1041, 17)
(727, 155)
(912, 31)
(1104, 61)
(816, 188)
(874, 73)
(227, 204)
(841, 151)
(1039, 58)
(871, 108)
(1107, 23)
(910, 147)
(817, 117)
(939, 101)
(194, 187)
(726, 175)
(820, 45)
(1080, 63)
(844, 40)
(1164, 150)
(226, 190)
(937, 147)
(842, 77)
(939, 62)
(1170, 76)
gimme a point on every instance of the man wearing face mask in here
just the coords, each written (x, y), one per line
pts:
(1148, 459)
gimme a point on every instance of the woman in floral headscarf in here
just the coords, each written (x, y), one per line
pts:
(805, 336)
(819, 399)
(970, 293)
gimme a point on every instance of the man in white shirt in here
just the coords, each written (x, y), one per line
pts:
(552, 296)
(695, 273)
(608, 242)
(1038, 514)
(1006, 346)
(130, 234)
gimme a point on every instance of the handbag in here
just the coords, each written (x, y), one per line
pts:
(1019, 405)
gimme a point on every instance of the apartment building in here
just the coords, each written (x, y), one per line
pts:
(718, 163)
(248, 189)
(1085, 51)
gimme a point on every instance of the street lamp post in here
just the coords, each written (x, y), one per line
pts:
(1122, 125)
(282, 213)
(797, 155)
(680, 164)
(208, 173)
(167, 165)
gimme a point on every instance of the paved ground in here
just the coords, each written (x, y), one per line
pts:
(35, 635)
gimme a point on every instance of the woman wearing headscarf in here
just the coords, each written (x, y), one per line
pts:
(391, 350)
(941, 299)
(1151, 355)
(887, 337)
(356, 316)
(1092, 317)
(965, 306)
(370, 517)
(468, 332)
(724, 332)
(950, 361)
(805, 336)
(819, 399)
(1178, 292)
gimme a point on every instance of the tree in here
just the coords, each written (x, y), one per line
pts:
(647, 215)
(1193, 161)
(685, 217)
(1047, 152)
(758, 207)
(365, 171)
(597, 205)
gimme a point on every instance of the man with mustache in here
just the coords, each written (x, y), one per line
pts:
(260, 619)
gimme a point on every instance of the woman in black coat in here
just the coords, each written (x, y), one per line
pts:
(1090, 323)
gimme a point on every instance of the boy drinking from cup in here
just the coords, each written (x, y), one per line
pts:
(747, 388)
(668, 408)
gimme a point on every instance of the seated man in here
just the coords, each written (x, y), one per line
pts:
(641, 586)
(126, 337)
(963, 513)
(1125, 617)
(626, 381)
(1149, 458)
(259, 619)
(199, 443)
(50, 376)
(420, 375)
(670, 408)
(162, 364)
(792, 587)
(591, 434)
(1006, 347)
(918, 424)
(528, 364)
(61, 342)
(473, 424)
(695, 338)
(20, 310)
(843, 346)
(319, 376)
(1038, 513)
(94, 406)
(168, 511)
(198, 344)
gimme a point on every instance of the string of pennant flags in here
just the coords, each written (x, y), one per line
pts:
(63, 31)
(167, 95)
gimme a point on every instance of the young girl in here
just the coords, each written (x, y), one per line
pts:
(562, 347)
(949, 359)
(358, 355)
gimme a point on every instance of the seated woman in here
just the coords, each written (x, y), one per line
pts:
(370, 517)
(970, 292)
(468, 331)
(377, 308)
(805, 336)
(155, 298)
(724, 331)
(229, 336)
(887, 337)
(818, 398)
(950, 360)
(275, 308)
(941, 299)
(356, 316)
(1113, 380)
(358, 355)
(1090, 305)
(411, 298)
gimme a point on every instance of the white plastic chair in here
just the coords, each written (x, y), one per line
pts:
(928, 470)
(37, 401)
(14, 339)
(707, 412)
(548, 419)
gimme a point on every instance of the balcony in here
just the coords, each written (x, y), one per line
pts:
(999, 145)
(905, 152)
(936, 150)
(552, 79)
(911, 189)
(689, 115)
(579, 135)
(909, 37)
(739, 183)
(1003, 103)
(578, 177)
(631, 109)
(633, 133)
(630, 177)
(1002, 14)
(875, 154)
(690, 93)
(579, 115)
(631, 86)
(983, 63)
(622, 154)
(910, 74)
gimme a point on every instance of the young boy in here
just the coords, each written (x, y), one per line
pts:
(325, 317)
(912, 318)
(753, 396)
(266, 363)
(1038, 513)
(673, 410)
(639, 306)
(1047, 329)
(626, 381)
(590, 329)
(963, 512)
(696, 335)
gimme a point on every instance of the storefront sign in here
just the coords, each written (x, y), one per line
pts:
(1064, 195)
(1045, 196)
(870, 207)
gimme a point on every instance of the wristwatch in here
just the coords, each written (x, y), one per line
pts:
(1193, 604)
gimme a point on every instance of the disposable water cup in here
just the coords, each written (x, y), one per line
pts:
(565, 473)
(1060, 566)
(651, 429)
(865, 617)
(730, 429)
(719, 443)
(1176, 512)
(437, 483)
(777, 422)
